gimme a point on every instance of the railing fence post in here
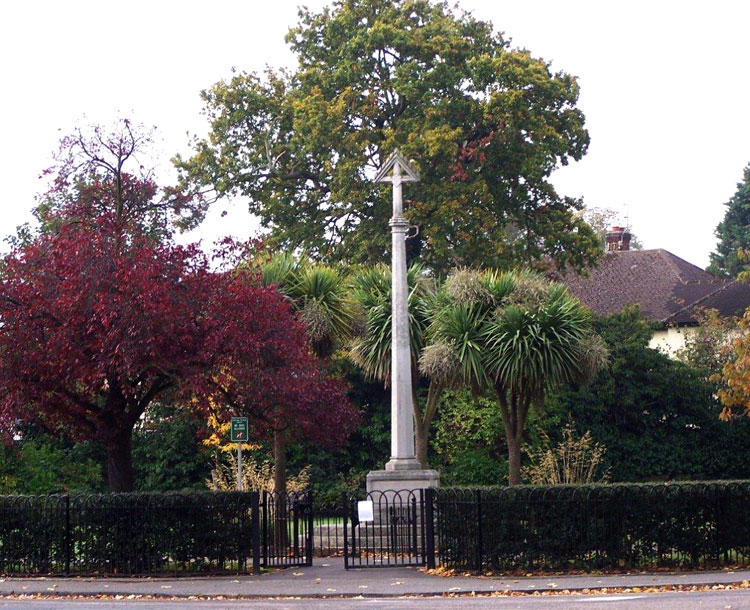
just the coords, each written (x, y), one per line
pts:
(354, 549)
(480, 552)
(255, 530)
(310, 549)
(68, 535)
(413, 522)
(346, 532)
(429, 527)
(264, 533)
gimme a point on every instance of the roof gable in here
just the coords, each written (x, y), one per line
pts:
(666, 287)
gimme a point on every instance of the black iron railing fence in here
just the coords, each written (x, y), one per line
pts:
(129, 533)
(286, 529)
(691, 524)
(328, 529)
(397, 529)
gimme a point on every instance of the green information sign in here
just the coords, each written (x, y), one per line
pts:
(238, 431)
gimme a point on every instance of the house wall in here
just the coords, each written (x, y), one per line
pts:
(672, 339)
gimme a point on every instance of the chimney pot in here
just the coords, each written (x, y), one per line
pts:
(618, 239)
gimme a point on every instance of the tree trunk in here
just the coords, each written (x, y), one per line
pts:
(422, 437)
(423, 421)
(279, 462)
(514, 420)
(514, 461)
(120, 463)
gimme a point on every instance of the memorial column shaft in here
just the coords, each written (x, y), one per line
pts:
(403, 456)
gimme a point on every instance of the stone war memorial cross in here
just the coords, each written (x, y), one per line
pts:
(403, 471)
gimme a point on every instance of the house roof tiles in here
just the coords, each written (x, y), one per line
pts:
(667, 288)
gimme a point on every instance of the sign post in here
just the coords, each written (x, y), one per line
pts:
(238, 432)
(239, 466)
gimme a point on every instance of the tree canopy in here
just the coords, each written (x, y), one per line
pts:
(106, 170)
(485, 124)
(91, 335)
(513, 335)
(734, 378)
(101, 316)
(733, 232)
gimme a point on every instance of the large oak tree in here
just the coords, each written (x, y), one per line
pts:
(485, 123)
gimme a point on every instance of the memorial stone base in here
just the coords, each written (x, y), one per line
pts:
(395, 495)
(399, 480)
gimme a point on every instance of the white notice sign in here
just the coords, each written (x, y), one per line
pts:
(365, 510)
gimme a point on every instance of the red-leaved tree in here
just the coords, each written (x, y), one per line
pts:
(101, 316)
(92, 333)
(107, 171)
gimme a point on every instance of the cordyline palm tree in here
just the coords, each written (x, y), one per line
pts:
(321, 296)
(514, 334)
(371, 348)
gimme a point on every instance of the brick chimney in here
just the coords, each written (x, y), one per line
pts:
(618, 239)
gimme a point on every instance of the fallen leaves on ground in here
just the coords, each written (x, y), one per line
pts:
(561, 592)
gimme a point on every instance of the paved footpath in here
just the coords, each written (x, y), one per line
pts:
(327, 578)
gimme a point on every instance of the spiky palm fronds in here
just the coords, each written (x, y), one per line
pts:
(321, 293)
(460, 326)
(280, 270)
(526, 335)
(371, 350)
(528, 348)
(499, 285)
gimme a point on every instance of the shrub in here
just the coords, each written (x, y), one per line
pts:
(257, 475)
(573, 461)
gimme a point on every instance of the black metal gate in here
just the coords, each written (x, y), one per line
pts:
(287, 529)
(389, 529)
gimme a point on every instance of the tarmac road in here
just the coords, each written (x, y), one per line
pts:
(703, 600)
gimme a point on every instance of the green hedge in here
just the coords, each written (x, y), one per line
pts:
(688, 524)
(126, 533)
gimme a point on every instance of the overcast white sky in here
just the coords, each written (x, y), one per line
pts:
(663, 85)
